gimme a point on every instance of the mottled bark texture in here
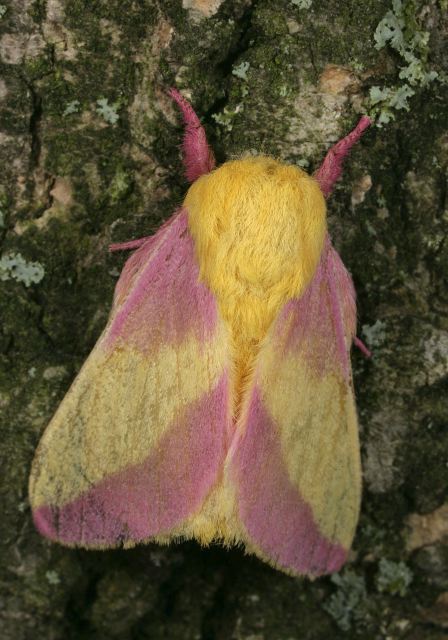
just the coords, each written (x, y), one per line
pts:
(276, 76)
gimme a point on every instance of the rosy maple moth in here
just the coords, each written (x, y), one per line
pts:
(218, 402)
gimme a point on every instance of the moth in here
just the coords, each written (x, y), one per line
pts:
(218, 402)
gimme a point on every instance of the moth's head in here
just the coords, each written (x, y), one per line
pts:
(274, 211)
(263, 183)
(268, 206)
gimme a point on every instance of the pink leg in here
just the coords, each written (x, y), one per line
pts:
(362, 347)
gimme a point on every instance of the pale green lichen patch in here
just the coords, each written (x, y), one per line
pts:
(374, 334)
(240, 71)
(13, 266)
(109, 112)
(71, 107)
(226, 116)
(348, 603)
(53, 577)
(400, 30)
(435, 356)
(393, 577)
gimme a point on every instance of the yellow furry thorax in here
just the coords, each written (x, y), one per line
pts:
(259, 227)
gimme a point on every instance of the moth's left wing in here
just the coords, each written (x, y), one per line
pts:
(295, 461)
(139, 439)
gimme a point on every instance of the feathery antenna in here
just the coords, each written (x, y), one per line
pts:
(197, 155)
(331, 168)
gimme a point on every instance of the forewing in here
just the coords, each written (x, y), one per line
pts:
(139, 438)
(295, 459)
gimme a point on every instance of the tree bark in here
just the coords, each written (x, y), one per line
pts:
(90, 155)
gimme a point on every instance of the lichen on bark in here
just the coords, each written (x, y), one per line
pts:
(90, 155)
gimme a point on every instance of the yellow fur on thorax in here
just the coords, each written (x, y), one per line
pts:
(258, 227)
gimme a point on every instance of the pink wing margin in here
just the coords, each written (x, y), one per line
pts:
(158, 299)
(279, 522)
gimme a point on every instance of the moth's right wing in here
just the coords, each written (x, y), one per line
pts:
(295, 459)
(139, 439)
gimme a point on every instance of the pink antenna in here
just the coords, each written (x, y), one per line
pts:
(331, 168)
(197, 155)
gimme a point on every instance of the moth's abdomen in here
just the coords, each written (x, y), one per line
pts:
(258, 227)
